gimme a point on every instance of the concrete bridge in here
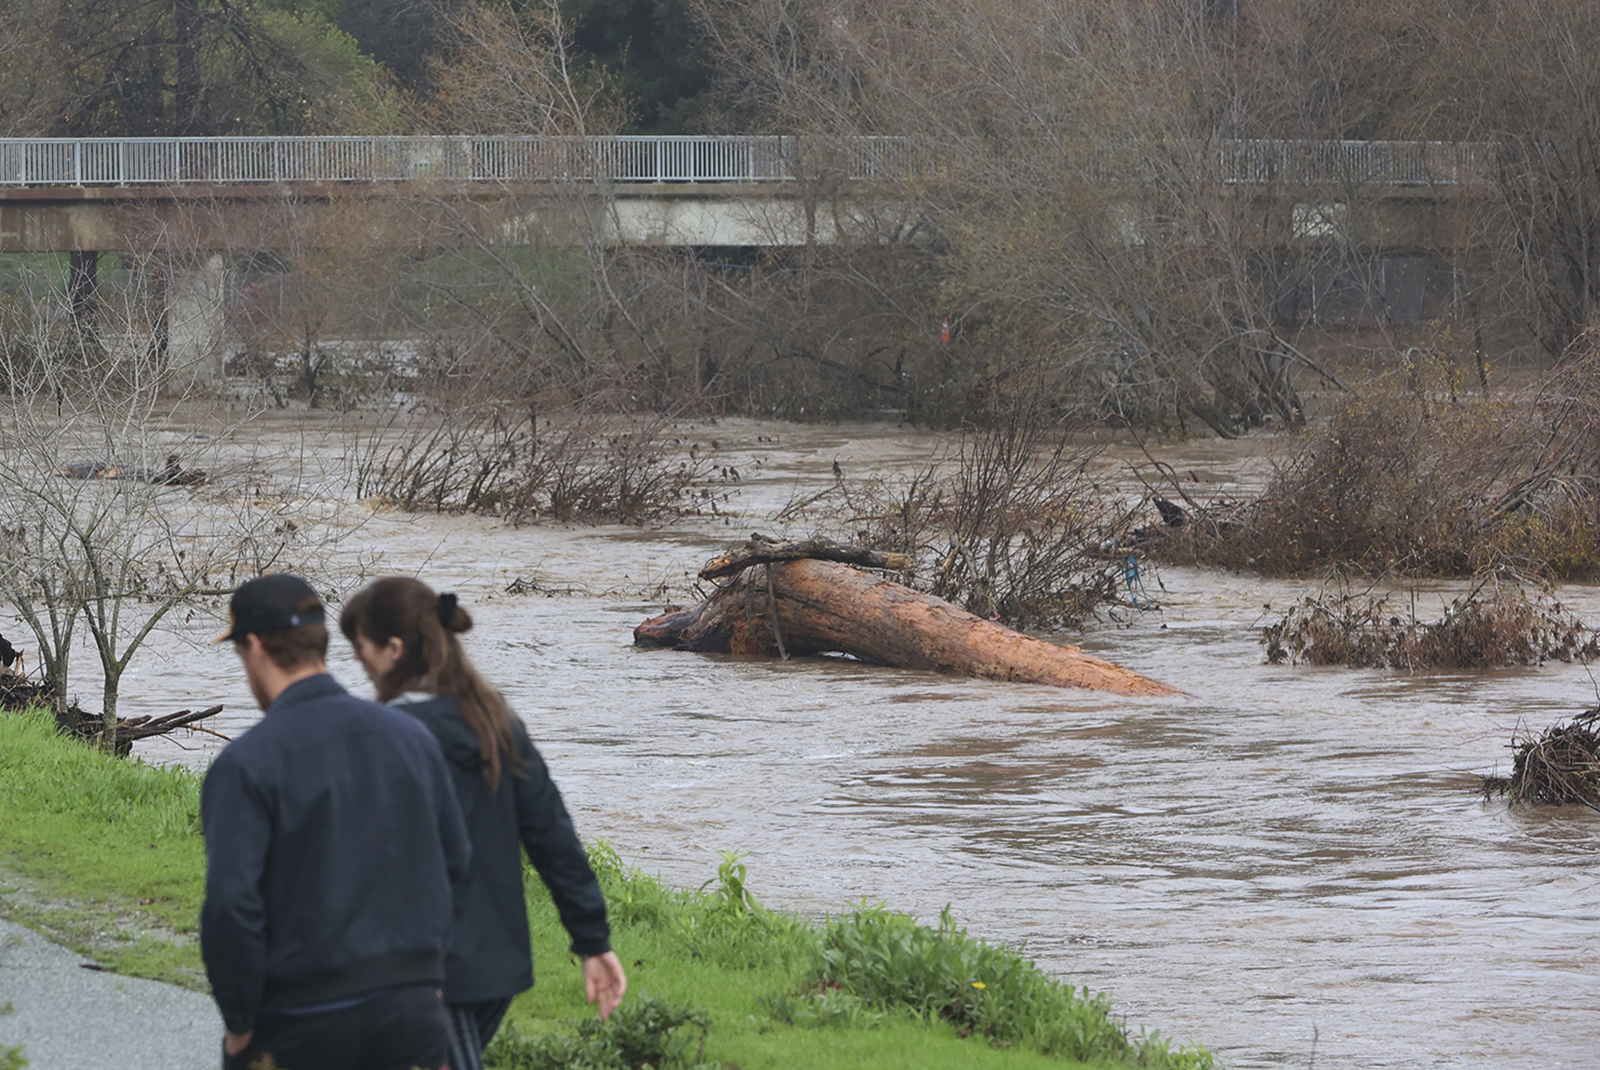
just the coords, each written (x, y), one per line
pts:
(65, 194)
(195, 200)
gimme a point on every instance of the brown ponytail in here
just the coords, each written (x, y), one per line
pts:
(427, 624)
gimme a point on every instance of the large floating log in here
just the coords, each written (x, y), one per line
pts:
(798, 607)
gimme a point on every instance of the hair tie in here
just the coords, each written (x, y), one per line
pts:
(447, 608)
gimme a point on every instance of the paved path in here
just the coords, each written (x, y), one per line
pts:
(70, 1018)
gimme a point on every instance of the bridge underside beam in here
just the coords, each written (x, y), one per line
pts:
(680, 215)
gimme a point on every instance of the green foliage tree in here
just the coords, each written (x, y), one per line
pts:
(400, 34)
(158, 68)
(655, 53)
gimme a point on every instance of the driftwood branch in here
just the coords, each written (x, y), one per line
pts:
(764, 550)
(162, 725)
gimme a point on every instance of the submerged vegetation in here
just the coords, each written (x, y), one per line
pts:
(482, 461)
(1496, 623)
(113, 851)
(1559, 766)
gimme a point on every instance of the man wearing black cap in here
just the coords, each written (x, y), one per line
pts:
(334, 852)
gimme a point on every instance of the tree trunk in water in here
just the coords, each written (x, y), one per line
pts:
(814, 607)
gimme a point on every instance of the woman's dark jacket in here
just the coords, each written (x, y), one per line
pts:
(489, 957)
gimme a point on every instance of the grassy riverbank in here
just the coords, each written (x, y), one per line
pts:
(105, 855)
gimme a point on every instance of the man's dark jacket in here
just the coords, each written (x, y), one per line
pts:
(335, 852)
(489, 956)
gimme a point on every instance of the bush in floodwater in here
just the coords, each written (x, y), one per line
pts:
(1413, 475)
(1560, 766)
(1011, 528)
(1395, 481)
(1495, 624)
(875, 961)
(586, 469)
(643, 1032)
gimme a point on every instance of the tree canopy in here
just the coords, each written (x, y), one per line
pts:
(155, 68)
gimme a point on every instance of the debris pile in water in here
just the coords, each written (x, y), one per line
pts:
(1561, 766)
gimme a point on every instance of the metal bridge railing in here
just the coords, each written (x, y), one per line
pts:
(1357, 163)
(246, 160)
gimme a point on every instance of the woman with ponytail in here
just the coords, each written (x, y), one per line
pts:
(404, 634)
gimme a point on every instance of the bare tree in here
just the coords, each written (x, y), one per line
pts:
(111, 523)
(1084, 192)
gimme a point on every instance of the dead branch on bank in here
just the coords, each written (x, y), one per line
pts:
(1493, 625)
(1560, 766)
(18, 693)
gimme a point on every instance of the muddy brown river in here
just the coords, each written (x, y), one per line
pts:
(1287, 865)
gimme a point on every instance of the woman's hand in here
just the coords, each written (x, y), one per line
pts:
(604, 982)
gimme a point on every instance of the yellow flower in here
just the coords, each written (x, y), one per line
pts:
(979, 985)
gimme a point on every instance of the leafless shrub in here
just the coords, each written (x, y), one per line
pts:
(1560, 766)
(1413, 476)
(1495, 624)
(1011, 527)
(481, 461)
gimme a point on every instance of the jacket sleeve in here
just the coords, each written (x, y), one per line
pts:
(553, 847)
(233, 919)
(452, 837)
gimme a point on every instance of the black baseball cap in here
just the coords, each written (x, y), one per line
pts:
(266, 604)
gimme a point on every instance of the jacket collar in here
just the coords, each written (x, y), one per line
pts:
(312, 687)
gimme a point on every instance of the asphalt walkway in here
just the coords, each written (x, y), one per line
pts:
(68, 1017)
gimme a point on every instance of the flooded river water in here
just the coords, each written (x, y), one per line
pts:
(1287, 865)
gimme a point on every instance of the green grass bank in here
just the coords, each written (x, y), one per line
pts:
(105, 855)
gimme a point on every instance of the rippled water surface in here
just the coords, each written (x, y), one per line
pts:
(1290, 866)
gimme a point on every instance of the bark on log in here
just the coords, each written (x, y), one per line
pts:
(762, 549)
(815, 607)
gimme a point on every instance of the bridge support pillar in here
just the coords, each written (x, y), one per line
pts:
(193, 324)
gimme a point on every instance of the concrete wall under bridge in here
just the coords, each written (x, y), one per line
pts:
(191, 235)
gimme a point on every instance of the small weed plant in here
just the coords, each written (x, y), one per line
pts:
(721, 922)
(643, 1032)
